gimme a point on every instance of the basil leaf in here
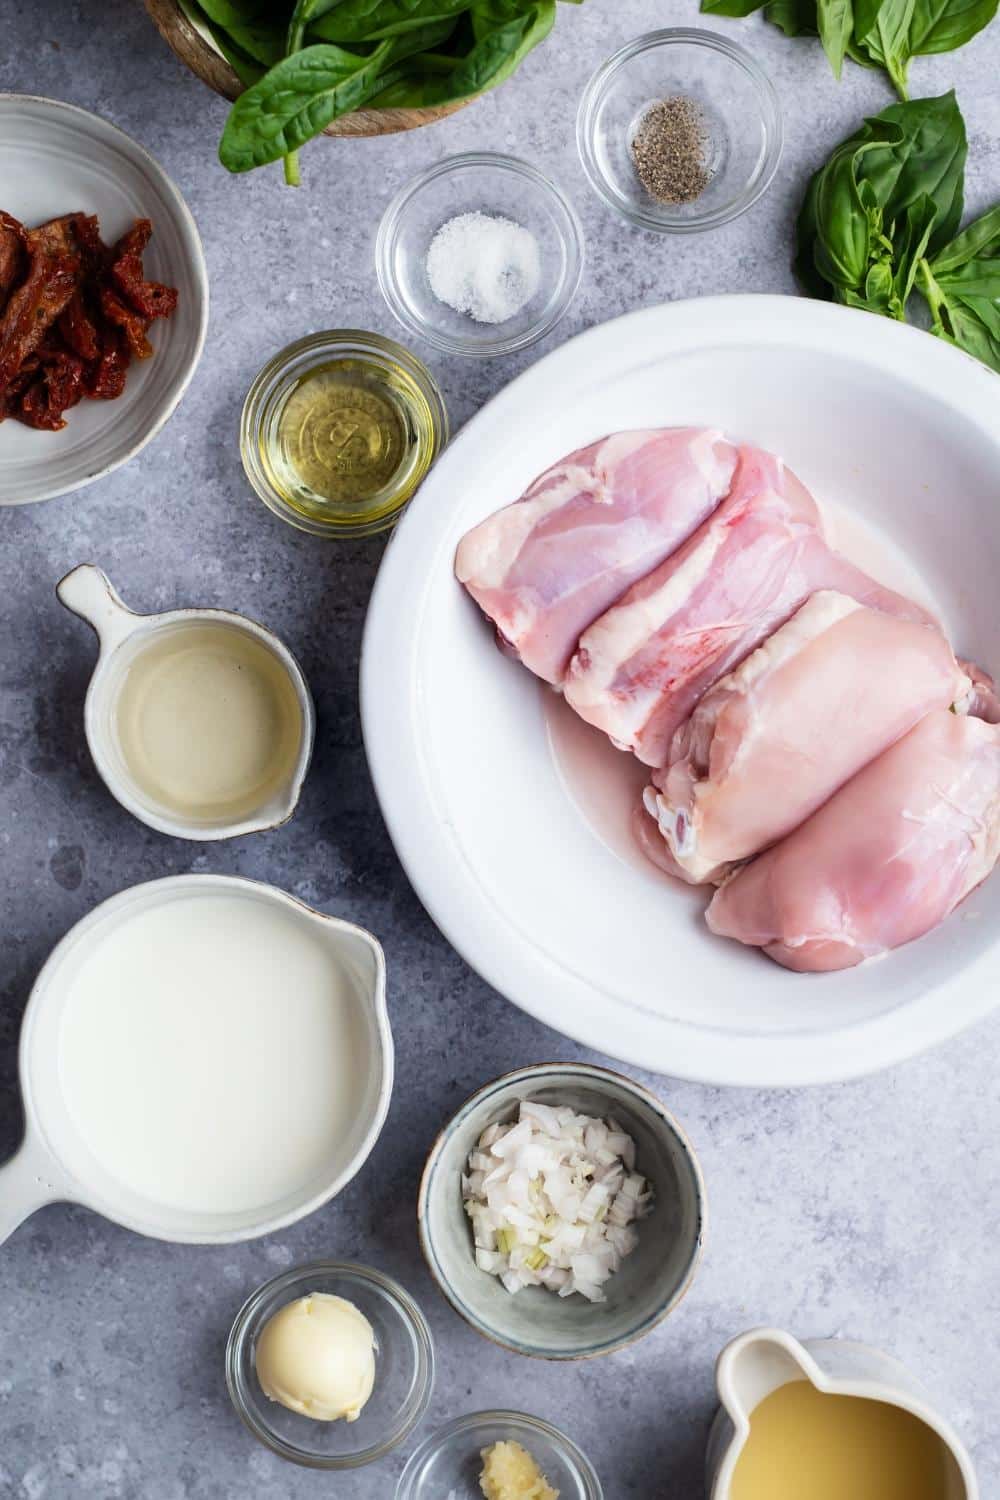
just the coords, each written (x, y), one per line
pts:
(909, 248)
(297, 98)
(926, 155)
(944, 25)
(971, 323)
(889, 195)
(835, 21)
(962, 287)
(885, 35)
(980, 239)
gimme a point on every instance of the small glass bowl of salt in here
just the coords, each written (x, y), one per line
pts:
(481, 254)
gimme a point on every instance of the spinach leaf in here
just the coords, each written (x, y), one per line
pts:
(231, 13)
(794, 17)
(505, 31)
(243, 65)
(262, 42)
(300, 96)
(303, 12)
(738, 8)
(372, 20)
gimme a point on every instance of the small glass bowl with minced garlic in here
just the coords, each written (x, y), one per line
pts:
(338, 430)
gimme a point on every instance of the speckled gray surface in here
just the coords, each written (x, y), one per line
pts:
(870, 1209)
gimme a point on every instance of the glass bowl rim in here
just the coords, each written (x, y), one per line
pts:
(244, 1325)
(434, 1441)
(597, 88)
(331, 342)
(571, 233)
(591, 1075)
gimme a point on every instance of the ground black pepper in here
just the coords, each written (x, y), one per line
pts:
(669, 151)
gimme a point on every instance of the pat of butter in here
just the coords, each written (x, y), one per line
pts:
(317, 1357)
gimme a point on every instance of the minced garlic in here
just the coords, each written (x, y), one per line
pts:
(510, 1473)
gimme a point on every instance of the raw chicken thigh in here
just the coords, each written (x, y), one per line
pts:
(768, 744)
(642, 667)
(887, 858)
(545, 567)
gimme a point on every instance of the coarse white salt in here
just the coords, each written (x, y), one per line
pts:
(484, 266)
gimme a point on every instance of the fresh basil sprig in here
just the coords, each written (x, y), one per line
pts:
(885, 34)
(880, 220)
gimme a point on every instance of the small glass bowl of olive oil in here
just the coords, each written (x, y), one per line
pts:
(339, 429)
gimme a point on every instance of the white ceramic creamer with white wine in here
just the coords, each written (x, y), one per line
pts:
(200, 721)
(828, 1420)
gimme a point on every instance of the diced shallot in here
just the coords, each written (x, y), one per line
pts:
(553, 1200)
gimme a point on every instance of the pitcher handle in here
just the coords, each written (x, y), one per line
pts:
(89, 593)
(27, 1182)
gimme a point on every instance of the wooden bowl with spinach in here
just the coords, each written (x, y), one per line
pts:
(296, 69)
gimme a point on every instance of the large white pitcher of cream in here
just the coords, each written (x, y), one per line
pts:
(784, 1431)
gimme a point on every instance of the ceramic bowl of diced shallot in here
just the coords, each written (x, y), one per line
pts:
(562, 1211)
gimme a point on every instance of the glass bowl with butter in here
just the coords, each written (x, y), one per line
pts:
(330, 1365)
(338, 430)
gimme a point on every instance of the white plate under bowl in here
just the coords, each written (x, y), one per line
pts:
(873, 415)
(57, 159)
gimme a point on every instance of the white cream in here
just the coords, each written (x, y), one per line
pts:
(212, 1054)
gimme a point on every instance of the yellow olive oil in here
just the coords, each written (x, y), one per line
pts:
(349, 442)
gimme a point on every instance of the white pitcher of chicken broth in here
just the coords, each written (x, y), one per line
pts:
(828, 1419)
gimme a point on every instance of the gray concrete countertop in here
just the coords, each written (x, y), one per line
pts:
(870, 1210)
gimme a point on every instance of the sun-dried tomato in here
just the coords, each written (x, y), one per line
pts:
(54, 270)
(73, 312)
(87, 233)
(132, 323)
(59, 387)
(151, 298)
(106, 378)
(77, 327)
(13, 253)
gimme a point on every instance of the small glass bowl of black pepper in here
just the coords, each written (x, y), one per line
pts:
(680, 130)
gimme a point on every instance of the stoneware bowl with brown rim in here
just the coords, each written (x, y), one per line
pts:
(196, 52)
(650, 1282)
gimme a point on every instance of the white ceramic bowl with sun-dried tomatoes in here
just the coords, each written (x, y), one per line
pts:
(59, 159)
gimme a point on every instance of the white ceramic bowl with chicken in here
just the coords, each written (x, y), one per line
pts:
(502, 807)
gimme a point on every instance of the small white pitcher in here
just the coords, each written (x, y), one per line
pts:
(759, 1362)
(122, 634)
